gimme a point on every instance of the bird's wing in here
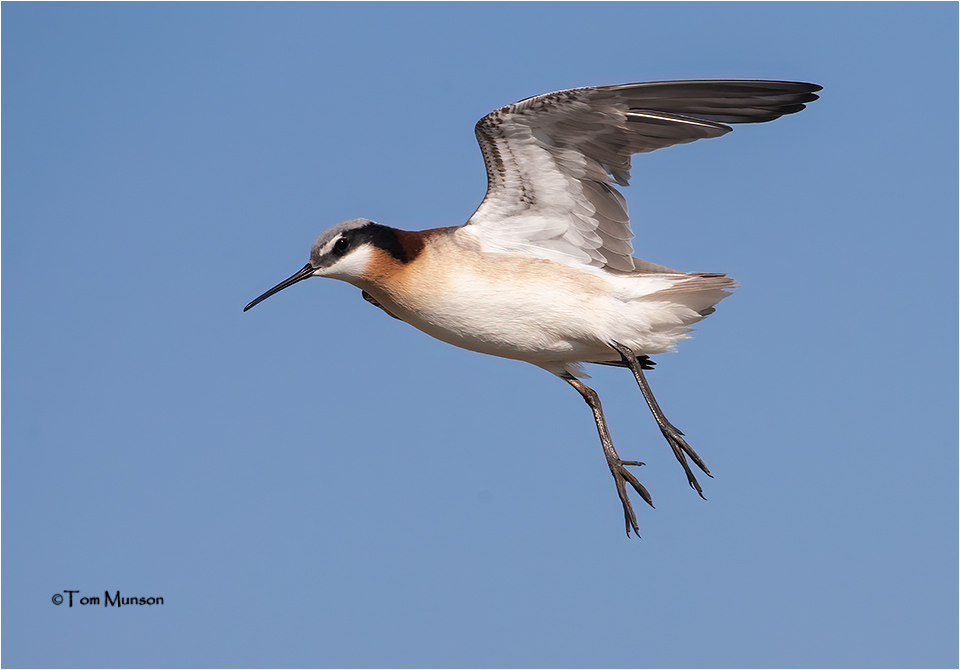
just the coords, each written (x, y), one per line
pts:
(552, 159)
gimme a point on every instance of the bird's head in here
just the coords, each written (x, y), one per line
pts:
(345, 252)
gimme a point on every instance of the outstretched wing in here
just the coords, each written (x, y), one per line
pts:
(552, 159)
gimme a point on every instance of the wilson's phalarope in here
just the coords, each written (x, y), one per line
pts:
(543, 271)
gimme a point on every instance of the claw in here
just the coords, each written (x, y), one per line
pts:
(635, 483)
(622, 476)
(628, 514)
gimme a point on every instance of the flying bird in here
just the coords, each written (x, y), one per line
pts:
(543, 271)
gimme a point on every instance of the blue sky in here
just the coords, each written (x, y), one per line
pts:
(313, 483)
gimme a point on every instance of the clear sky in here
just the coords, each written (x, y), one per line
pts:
(313, 483)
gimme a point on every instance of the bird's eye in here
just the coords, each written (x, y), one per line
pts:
(340, 245)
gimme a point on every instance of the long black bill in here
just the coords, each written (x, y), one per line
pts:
(305, 273)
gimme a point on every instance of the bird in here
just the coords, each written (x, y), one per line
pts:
(543, 271)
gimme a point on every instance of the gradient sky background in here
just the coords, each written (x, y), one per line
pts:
(316, 484)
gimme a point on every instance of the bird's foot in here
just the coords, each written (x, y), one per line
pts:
(681, 450)
(622, 477)
(673, 434)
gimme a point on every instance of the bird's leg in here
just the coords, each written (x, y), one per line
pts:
(621, 476)
(672, 433)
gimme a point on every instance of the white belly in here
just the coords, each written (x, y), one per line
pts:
(534, 310)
